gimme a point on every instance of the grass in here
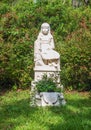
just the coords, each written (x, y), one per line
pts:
(16, 113)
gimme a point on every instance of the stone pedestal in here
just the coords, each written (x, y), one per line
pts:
(47, 98)
(49, 71)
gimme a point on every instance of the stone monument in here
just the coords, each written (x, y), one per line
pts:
(47, 61)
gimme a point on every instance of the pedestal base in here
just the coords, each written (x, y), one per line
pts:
(46, 98)
(49, 99)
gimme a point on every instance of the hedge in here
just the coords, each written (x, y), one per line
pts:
(20, 25)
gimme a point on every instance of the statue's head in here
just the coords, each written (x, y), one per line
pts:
(45, 28)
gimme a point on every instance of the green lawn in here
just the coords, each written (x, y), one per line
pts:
(16, 113)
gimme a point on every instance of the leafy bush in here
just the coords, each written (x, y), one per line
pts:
(70, 27)
(75, 60)
(46, 84)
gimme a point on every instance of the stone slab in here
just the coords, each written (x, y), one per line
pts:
(50, 99)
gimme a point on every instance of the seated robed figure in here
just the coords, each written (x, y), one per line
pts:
(44, 53)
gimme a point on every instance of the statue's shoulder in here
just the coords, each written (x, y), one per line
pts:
(50, 35)
(40, 34)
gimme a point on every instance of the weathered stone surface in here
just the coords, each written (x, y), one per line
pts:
(50, 99)
(45, 57)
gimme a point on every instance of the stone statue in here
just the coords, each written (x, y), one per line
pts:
(47, 62)
(44, 53)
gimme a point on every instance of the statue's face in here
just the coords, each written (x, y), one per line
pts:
(45, 30)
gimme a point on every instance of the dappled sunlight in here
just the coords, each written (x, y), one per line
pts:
(16, 113)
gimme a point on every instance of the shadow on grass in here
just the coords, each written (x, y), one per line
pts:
(76, 115)
(11, 114)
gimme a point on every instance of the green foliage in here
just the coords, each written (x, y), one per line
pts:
(75, 59)
(20, 23)
(46, 84)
